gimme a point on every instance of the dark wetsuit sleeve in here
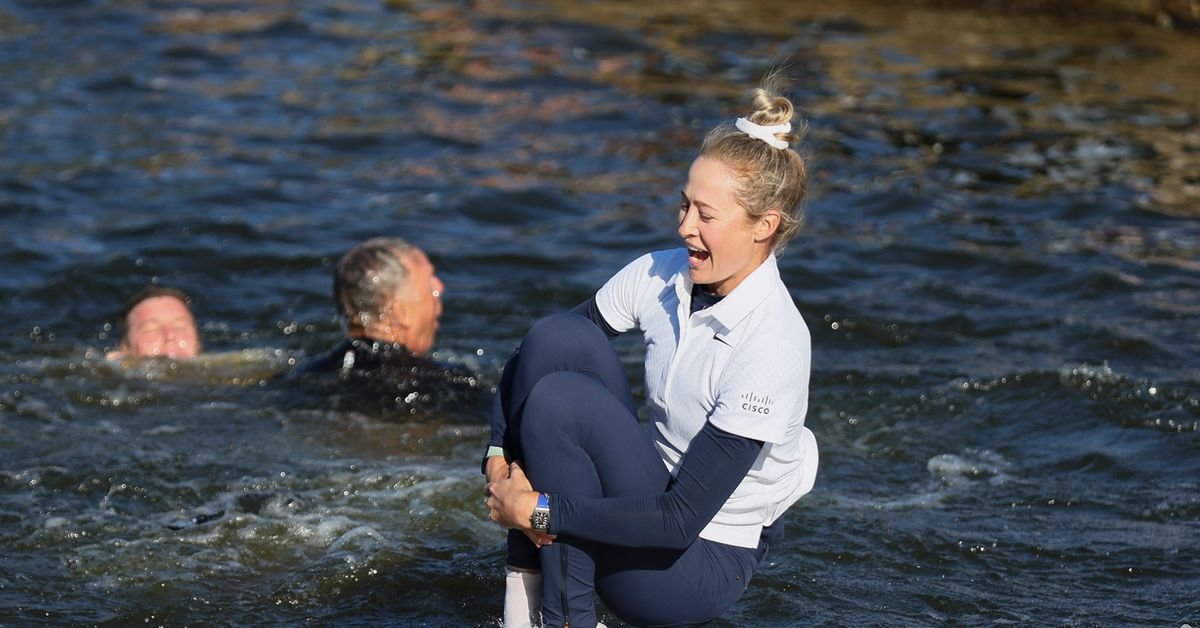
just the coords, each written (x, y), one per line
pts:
(715, 463)
(591, 311)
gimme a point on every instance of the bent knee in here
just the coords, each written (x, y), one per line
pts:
(562, 333)
(559, 397)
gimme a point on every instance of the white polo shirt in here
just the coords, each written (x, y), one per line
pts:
(742, 364)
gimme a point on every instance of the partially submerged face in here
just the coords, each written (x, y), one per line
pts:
(160, 327)
(421, 302)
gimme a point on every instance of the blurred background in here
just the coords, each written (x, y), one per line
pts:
(1001, 271)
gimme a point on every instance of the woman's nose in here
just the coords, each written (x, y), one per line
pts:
(687, 223)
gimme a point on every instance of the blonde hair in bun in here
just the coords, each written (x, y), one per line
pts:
(768, 177)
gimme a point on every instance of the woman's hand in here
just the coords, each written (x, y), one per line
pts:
(511, 501)
(497, 469)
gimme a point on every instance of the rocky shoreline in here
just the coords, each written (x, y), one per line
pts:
(1167, 14)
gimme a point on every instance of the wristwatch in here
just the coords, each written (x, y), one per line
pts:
(540, 519)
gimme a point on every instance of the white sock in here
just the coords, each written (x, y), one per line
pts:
(522, 597)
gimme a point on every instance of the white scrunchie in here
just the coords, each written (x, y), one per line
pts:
(764, 133)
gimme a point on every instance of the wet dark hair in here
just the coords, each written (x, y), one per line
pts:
(368, 276)
(153, 292)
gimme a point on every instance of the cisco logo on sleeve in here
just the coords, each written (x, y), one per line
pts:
(758, 404)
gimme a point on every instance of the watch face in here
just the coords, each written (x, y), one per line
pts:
(540, 520)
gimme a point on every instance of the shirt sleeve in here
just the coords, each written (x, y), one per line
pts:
(617, 299)
(715, 463)
(498, 421)
(762, 387)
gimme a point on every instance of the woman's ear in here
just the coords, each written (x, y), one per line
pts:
(766, 225)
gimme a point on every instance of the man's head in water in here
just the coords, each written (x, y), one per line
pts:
(387, 290)
(158, 322)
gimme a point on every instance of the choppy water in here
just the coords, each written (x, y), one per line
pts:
(1000, 270)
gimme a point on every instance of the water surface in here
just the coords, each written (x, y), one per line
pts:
(999, 269)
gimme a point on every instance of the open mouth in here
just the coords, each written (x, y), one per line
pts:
(696, 255)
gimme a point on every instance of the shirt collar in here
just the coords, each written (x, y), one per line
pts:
(745, 297)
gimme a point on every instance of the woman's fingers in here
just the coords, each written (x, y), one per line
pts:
(517, 474)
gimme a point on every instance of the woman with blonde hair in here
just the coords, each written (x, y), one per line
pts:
(667, 521)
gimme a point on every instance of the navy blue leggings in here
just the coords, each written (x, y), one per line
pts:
(572, 422)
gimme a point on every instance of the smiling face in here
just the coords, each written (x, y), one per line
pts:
(724, 243)
(161, 327)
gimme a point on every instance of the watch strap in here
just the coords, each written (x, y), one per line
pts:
(540, 519)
